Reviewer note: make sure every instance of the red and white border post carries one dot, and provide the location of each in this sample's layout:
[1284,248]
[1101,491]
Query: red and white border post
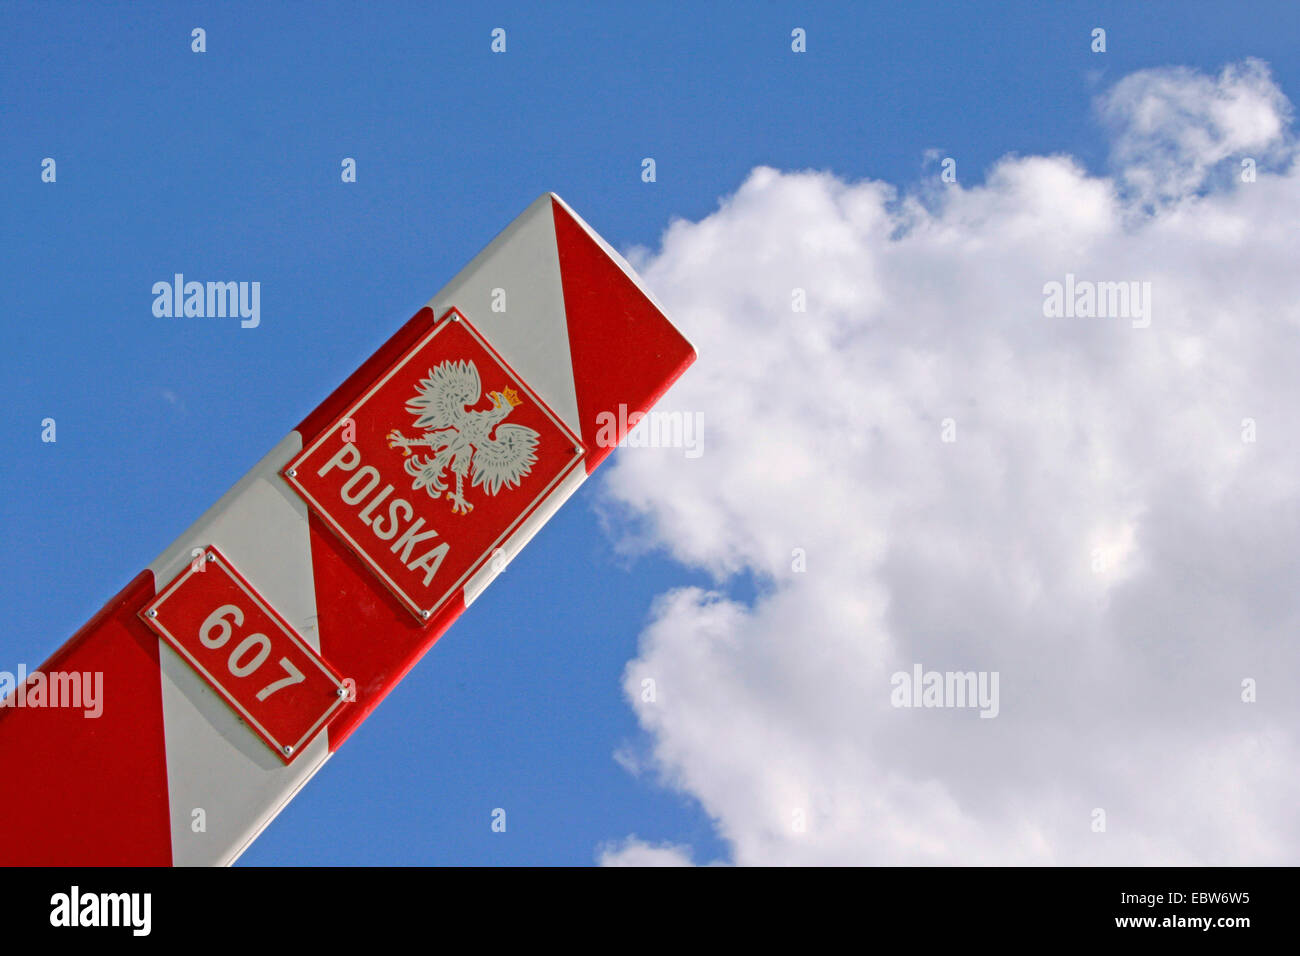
[248,651]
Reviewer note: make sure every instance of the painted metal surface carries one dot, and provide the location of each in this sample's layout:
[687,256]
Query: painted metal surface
[579,336]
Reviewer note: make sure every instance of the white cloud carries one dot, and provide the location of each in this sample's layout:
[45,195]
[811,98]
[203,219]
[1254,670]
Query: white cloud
[1173,126]
[634,852]
[1098,533]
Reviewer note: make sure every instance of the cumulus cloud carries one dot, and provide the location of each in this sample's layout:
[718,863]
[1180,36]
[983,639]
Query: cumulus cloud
[635,852]
[923,468]
[1172,127]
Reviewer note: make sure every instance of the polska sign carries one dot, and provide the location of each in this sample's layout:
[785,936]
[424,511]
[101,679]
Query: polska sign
[435,465]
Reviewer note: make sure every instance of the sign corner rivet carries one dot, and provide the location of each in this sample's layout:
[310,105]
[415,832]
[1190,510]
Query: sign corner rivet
[287,750]
[292,472]
[152,612]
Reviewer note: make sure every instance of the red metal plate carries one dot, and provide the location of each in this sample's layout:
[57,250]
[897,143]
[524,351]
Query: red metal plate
[445,455]
[247,653]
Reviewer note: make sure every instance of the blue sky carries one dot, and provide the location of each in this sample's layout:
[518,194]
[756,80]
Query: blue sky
[226,164]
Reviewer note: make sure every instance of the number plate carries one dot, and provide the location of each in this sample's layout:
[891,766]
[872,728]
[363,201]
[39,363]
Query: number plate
[272,678]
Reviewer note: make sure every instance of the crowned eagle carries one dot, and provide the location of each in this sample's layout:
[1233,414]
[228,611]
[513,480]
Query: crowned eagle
[468,444]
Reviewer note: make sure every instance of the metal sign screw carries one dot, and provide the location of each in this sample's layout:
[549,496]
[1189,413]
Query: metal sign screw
[287,750]
[292,472]
[152,612]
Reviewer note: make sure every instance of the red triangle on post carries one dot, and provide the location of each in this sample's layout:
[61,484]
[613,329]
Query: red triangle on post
[624,350]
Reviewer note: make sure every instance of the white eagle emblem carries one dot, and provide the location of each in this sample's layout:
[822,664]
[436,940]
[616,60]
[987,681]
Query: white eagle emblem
[463,441]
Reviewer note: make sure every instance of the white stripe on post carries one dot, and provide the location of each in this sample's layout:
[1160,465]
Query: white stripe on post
[533,333]
[214,762]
